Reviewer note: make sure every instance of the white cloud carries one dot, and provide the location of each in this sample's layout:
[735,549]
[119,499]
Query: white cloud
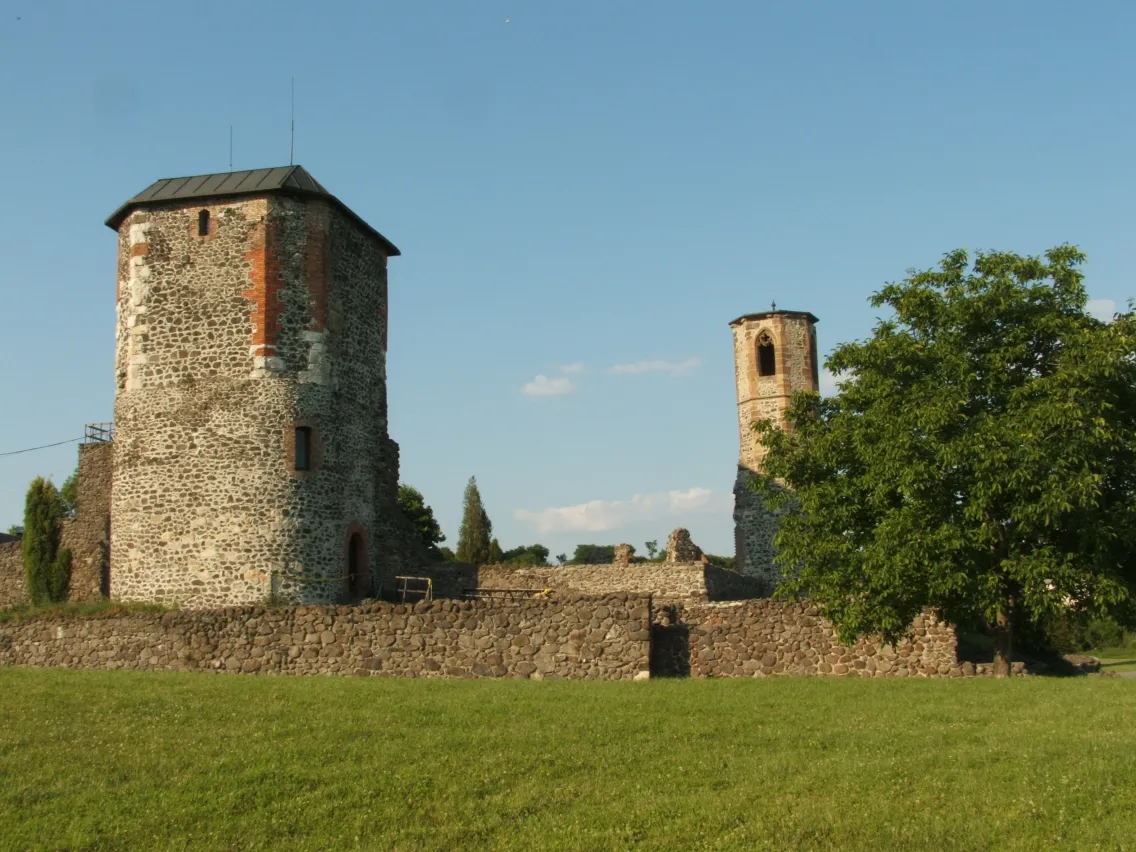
[674,368]
[576,367]
[544,386]
[599,515]
[1102,309]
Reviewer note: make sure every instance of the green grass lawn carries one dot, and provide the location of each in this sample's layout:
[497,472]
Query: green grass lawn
[1116,659]
[126,760]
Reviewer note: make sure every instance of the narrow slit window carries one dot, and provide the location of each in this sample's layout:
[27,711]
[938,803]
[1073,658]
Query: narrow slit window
[766,357]
[813,359]
[303,448]
[203,223]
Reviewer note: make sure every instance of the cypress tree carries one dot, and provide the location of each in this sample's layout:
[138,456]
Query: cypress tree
[60,579]
[47,569]
[495,554]
[476,528]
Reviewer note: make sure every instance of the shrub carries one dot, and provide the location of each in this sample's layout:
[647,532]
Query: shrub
[1071,632]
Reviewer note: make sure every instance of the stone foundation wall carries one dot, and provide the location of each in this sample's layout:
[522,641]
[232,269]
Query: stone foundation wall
[569,637]
[765,637]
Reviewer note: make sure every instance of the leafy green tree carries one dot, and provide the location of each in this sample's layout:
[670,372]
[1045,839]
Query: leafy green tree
[561,558]
[593,554]
[533,554]
[47,568]
[726,562]
[979,460]
[652,548]
[69,494]
[16,529]
[446,554]
[476,531]
[421,517]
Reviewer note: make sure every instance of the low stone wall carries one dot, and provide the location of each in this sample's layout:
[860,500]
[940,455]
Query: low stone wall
[767,637]
[12,589]
[569,637]
[663,581]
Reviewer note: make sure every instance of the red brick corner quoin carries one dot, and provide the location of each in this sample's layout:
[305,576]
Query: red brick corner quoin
[263,290]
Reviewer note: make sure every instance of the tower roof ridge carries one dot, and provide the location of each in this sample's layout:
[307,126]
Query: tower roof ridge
[777,313]
[292,180]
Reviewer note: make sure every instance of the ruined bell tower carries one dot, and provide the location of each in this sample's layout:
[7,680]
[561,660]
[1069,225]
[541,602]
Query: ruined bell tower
[775,355]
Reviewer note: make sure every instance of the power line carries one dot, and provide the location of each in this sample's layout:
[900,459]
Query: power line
[44,447]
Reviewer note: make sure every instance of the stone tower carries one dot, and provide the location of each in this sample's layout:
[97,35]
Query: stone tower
[775,354]
[251,458]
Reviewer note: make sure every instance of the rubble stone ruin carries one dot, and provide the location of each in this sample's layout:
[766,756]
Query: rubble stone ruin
[681,549]
[622,555]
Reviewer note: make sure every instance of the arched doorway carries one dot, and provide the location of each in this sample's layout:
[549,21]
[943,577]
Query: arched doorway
[356,558]
[358,573]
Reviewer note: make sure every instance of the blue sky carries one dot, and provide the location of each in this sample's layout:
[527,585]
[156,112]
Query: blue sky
[575,187]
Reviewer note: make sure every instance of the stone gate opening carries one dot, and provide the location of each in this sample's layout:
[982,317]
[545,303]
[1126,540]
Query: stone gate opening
[358,574]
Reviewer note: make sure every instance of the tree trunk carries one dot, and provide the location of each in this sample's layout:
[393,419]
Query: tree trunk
[1003,636]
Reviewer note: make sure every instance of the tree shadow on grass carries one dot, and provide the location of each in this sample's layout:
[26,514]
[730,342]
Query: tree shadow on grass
[977,647]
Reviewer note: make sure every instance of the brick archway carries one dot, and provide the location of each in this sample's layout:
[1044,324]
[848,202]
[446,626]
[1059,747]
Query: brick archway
[357,564]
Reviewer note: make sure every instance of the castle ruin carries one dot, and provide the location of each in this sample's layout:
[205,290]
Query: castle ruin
[250,459]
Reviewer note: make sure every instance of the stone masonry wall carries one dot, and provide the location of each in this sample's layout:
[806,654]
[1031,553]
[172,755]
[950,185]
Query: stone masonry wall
[664,581]
[723,585]
[613,637]
[766,637]
[670,582]
[755,524]
[226,343]
[12,589]
[87,534]
[571,637]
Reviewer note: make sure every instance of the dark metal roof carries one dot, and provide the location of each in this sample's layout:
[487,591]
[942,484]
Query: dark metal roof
[285,180]
[766,314]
